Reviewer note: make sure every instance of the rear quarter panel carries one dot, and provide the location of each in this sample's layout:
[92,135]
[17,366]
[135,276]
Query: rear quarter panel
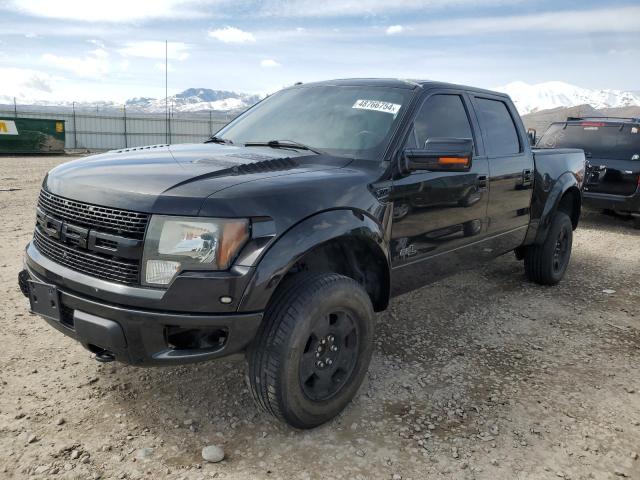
[556,171]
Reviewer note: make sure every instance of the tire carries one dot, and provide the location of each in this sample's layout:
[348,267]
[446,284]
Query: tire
[292,373]
[546,264]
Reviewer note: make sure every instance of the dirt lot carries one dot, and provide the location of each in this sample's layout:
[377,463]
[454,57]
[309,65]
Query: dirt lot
[482,376]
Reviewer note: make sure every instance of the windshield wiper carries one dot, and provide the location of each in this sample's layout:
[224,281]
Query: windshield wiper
[214,139]
[283,144]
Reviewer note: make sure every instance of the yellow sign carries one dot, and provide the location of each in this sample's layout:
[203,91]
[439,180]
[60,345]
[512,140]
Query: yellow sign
[59,127]
[8,127]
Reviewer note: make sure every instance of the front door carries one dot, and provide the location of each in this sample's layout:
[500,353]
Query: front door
[437,214]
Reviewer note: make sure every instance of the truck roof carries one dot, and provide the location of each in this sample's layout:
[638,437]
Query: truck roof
[408,84]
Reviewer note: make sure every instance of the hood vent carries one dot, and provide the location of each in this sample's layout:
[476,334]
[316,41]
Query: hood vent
[133,149]
[274,165]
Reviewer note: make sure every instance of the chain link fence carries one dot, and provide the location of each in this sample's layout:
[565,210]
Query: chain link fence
[112,129]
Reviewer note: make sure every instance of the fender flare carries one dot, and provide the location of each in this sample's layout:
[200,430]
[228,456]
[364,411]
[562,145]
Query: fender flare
[299,240]
[562,185]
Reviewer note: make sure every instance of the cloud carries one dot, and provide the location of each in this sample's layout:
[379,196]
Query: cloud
[127,11]
[232,35]
[335,8]
[38,82]
[97,43]
[94,65]
[111,11]
[269,63]
[99,52]
[156,50]
[25,83]
[162,67]
[394,29]
[622,19]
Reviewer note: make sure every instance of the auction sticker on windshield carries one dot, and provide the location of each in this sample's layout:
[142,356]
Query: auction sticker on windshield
[377,106]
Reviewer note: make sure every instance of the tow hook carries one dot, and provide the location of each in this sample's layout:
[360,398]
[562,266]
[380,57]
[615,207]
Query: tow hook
[105,356]
[23,282]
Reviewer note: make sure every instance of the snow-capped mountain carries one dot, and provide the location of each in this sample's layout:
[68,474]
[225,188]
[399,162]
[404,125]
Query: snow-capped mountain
[528,99]
[195,100]
[190,100]
[542,96]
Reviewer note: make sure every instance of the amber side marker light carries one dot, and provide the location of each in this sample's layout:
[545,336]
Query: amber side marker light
[234,236]
[454,161]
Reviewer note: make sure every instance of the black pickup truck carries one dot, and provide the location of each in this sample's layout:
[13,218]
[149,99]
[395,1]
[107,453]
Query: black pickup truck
[282,234]
[612,148]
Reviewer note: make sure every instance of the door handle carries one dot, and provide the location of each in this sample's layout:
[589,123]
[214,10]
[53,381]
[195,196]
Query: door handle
[482,182]
[527,177]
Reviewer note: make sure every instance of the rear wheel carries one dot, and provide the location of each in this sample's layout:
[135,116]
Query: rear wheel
[313,349]
[546,264]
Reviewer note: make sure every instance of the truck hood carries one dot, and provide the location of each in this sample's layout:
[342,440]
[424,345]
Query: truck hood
[175,179]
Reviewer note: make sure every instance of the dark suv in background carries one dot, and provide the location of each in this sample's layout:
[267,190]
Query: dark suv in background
[612,148]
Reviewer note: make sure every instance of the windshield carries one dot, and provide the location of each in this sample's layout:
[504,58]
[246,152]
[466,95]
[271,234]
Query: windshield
[355,122]
[597,139]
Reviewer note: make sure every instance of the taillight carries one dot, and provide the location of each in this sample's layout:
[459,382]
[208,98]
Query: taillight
[592,124]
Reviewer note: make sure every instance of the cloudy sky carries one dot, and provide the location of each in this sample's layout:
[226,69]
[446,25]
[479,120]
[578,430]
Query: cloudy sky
[114,50]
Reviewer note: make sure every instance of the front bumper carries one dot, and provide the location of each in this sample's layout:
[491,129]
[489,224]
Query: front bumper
[140,336]
[604,201]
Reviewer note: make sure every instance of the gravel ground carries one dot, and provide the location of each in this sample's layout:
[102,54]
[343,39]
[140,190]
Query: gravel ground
[481,376]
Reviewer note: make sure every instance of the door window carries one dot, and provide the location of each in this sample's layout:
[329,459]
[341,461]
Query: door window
[441,116]
[501,136]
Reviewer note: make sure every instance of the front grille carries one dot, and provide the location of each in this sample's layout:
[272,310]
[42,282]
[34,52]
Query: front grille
[122,223]
[109,220]
[94,264]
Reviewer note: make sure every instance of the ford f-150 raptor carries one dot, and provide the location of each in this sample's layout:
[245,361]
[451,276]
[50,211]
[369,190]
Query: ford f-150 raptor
[285,232]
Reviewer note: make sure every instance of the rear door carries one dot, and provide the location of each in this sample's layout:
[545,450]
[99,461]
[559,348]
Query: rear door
[511,169]
[612,150]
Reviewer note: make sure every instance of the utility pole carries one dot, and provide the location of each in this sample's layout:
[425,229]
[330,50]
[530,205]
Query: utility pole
[124,108]
[166,90]
[15,108]
[75,130]
[169,120]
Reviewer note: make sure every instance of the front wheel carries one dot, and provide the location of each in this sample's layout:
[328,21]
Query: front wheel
[313,349]
[546,264]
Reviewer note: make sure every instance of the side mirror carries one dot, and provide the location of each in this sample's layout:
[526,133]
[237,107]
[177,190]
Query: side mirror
[533,136]
[440,155]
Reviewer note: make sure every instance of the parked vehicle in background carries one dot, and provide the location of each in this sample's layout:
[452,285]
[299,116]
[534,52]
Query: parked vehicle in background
[612,149]
[285,232]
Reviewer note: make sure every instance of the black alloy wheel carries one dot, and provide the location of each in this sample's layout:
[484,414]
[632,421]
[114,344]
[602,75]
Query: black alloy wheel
[329,356]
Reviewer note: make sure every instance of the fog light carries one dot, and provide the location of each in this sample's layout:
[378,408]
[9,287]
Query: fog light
[196,338]
[161,272]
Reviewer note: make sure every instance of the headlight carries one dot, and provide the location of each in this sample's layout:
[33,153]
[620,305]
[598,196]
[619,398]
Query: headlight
[174,244]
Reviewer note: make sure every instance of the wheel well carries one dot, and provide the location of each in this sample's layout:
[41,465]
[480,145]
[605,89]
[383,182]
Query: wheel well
[570,203]
[352,257]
